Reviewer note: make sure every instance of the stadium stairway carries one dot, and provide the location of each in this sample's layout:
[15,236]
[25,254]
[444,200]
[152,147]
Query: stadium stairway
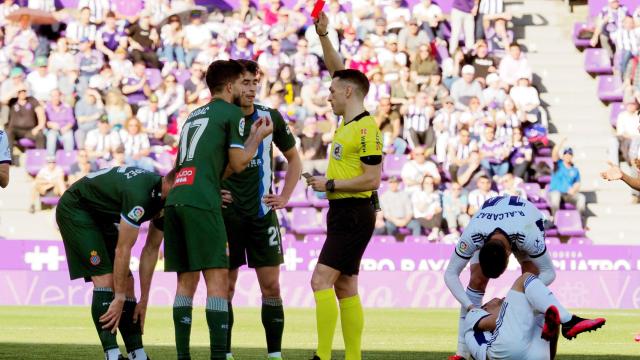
[575,112]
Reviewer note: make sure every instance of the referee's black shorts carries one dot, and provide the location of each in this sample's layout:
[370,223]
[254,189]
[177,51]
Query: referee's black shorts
[350,224]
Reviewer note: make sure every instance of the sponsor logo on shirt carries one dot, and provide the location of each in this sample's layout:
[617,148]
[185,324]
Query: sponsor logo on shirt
[241,127]
[136,213]
[185,176]
[94,259]
[337,151]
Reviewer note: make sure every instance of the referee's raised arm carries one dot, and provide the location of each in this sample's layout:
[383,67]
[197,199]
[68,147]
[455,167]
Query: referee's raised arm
[353,175]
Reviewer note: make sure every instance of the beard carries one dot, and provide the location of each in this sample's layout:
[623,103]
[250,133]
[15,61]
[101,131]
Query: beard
[237,100]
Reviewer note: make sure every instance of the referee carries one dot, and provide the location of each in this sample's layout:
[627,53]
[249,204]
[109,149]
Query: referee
[353,173]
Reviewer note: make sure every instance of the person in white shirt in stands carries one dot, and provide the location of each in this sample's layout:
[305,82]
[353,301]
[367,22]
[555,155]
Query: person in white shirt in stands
[5,159]
[430,16]
[455,204]
[627,134]
[48,181]
[397,15]
[154,121]
[526,99]
[81,29]
[42,82]
[196,37]
[478,196]
[136,145]
[98,9]
[397,210]
[513,66]
[627,43]
[466,88]
[427,209]
[101,142]
[414,170]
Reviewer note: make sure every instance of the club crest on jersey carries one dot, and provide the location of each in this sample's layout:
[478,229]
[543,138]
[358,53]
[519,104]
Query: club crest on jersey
[136,213]
[337,151]
[94,259]
[241,127]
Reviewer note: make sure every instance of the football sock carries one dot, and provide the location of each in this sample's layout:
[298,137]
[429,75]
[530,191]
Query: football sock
[112,354]
[100,302]
[476,299]
[273,322]
[352,320]
[138,354]
[182,315]
[130,331]
[218,321]
[229,329]
[540,297]
[326,319]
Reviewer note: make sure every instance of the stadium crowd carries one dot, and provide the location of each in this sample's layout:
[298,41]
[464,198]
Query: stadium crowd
[461,120]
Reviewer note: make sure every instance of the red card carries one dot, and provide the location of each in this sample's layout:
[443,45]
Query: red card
[317,8]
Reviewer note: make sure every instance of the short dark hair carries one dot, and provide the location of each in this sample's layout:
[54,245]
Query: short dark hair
[250,66]
[222,72]
[355,77]
[110,14]
[493,259]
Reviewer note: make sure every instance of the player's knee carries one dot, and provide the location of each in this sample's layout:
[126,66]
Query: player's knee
[188,283]
[270,288]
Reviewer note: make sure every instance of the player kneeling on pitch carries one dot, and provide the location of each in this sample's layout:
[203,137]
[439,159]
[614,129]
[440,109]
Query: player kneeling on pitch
[504,225]
[99,218]
[524,325]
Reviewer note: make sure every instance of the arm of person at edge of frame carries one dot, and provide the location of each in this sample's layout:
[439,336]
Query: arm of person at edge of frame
[452,278]
[148,260]
[331,57]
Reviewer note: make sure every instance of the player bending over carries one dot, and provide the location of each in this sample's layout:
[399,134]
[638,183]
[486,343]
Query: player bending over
[504,225]
[251,221]
[524,325]
[99,217]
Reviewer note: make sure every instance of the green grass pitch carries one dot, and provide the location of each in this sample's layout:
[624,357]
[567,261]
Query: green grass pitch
[406,334]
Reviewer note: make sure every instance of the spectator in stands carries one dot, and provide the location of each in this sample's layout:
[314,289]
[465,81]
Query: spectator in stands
[462,15]
[215,51]
[101,142]
[272,59]
[41,81]
[349,45]
[378,88]
[99,9]
[171,95]
[117,109]
[510,185]
[627,133]
[314,98]
[526,99]
[144,41]
[483,63]
[305,64]
[430,17]
[26,120]
[494,95]
[379,35]
[460,150]
[314,40]
[136,86]
[478,196]
[417,113]
[287,79]
[514,66]
[411,38]
[242,48]
[521,154]
[403,88]
[172,36]
[427,209]
[565,181]
[81,168]
[391,59]
[9,90]
[494,153]
[154,122]
[194,85]
[109,37]
[48,182]
[87,111]
[492,11]
[435,89]
[6,8]
[397,16]
[455,206]
[104,80]
[609,20]
[136,145]
[61,59]
[285,29]
[465,88]
[423,65]
[60,123]
[389,122]
[627,42]
[89,63]
[121,66]
[21,42]
[313,149]
[398,210]
[414,171]
[365,61]
[338,18]
[81,29]
[119,158]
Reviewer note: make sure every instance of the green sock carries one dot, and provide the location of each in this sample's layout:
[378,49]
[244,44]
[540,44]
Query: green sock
[102,298]
[130,331]
[230,328]
[218,321]
[326,319]
[273,322]
[182,315]
[352,320]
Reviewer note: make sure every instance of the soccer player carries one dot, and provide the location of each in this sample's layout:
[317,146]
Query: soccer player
[5,159]
[524,325]
[195,236]
[99,217]
[251,221]
[353,175]
[504,225]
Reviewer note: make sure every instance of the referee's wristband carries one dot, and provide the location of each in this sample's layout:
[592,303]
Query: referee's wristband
[330,185]
[323,35]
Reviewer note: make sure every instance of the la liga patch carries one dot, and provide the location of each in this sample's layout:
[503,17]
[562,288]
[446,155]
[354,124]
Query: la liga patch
[462,246]
[241,127]
[136,213]
[94,259]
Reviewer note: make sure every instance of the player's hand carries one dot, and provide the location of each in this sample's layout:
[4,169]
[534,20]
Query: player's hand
[226,198]
[266,129]
[140,314]
[613,173]
[111,318]
[275,202]
[321,23]
[317,183]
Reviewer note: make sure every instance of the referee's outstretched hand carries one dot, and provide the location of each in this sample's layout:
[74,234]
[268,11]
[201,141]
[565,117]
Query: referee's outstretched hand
[317,183]
[321,23]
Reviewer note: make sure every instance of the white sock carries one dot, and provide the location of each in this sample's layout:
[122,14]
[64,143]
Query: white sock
[229,355]
[476,299]
[138,354]
[540,297]
[112,354]
[275,354]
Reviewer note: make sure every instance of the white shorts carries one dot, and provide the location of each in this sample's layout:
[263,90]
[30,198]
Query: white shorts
[518,331]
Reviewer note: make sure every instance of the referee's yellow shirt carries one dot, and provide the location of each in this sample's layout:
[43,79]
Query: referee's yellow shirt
[359,138]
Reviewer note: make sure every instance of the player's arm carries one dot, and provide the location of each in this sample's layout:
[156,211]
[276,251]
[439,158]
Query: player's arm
[546,271]
[240,155]
[487,323]
[294,169]
[332,59]
[555,153]
[457,263]
[148,260]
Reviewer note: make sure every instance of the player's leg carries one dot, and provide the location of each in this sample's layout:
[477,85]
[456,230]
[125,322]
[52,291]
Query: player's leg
[217,310]
[515,326]
[130,329]
[322,281]
[351,315]
[233,278]
[475,291]
[272,310]
[102,297]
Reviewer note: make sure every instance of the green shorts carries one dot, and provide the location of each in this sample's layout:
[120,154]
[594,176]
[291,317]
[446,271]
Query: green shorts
[89,245]
[253,241]
[194,239]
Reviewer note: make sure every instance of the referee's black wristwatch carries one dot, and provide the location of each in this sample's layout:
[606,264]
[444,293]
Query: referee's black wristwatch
[330,185]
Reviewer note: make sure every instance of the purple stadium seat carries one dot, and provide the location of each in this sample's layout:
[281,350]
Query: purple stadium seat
[392,165]
[155,78]
[609,88]
[416,239]
[552,240]
[26,143]
[533,191]
[299,196]
[35,160]
[128,7]
[577,27]
[65,159]
[181,75]
[580,240]
[288,240]
[383,239]
[283,219]
[50,200]
[597,61]
[315,200]
[616,109]
[315,238]
[545,179]
[569,223]
[305,221]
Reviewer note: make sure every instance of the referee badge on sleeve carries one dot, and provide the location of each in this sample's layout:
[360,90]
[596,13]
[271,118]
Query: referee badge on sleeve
[337,151]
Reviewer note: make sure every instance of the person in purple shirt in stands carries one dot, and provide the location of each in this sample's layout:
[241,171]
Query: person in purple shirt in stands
[136,86]
[109,37]
[494,154]
[89,62]
[462,16]
[242,48]
[60,123]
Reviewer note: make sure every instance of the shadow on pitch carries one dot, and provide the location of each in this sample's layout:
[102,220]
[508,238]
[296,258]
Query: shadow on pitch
[29,351]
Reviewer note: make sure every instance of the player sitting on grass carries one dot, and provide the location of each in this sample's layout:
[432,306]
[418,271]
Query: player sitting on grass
[99,218]
[524,325]
[504,225]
